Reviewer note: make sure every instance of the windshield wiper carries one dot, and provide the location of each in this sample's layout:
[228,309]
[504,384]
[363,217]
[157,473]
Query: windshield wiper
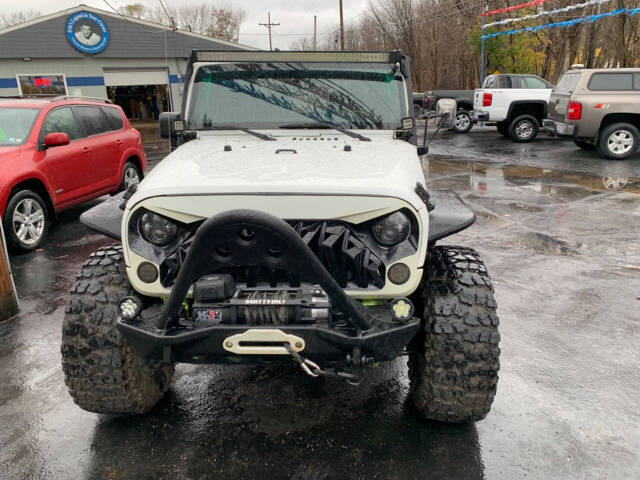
[326,125]
[242,129]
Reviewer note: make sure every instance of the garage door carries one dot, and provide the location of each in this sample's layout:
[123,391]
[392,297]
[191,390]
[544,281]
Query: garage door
[123,78]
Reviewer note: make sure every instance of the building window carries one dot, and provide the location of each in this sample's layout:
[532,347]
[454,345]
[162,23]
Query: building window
[42,84]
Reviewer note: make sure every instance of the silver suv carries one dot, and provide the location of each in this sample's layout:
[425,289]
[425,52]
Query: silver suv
[599,108]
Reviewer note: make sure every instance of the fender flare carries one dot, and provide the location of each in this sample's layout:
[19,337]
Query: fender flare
[545,107]
[449,215]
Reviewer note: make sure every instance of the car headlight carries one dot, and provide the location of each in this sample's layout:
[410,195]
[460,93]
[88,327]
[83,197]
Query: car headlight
[156,229]
[392,229]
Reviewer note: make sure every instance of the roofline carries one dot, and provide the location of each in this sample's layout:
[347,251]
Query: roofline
[607,70]
[98,11]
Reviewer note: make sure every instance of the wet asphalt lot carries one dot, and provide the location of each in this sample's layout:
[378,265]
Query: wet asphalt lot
[558,229]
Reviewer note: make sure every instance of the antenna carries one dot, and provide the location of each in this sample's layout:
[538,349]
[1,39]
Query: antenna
[269,25]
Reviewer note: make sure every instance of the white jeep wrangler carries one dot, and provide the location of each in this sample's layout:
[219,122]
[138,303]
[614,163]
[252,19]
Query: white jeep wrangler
[290,223]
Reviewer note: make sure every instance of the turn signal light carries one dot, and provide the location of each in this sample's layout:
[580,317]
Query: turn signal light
[574,111]
[487,98]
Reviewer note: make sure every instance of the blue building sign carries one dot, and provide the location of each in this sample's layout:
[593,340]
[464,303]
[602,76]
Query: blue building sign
[87,32]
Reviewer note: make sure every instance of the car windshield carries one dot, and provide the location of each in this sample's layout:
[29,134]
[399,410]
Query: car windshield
[269,95]
[15,125]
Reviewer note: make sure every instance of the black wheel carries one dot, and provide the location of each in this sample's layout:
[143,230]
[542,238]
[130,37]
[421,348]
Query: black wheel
[619,141]
[503,129]
[103,373]
[454,361]
[130,176]
[462,122]
[524,128]
[26,221]
[584,145]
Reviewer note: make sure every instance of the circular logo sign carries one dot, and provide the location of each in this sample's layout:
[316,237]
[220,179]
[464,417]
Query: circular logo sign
[87,32]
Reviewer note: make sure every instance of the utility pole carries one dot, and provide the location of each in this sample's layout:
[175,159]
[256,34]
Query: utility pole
[269,25]
[8,298]
[315,31]
[486,9]
[341,28]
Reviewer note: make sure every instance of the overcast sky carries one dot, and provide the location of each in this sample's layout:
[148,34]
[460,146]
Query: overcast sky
[295,16]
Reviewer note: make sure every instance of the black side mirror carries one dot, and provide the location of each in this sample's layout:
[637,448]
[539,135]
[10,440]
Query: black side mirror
[170,124]
[423,150]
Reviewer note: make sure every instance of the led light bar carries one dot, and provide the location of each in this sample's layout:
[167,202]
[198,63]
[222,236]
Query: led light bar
[295,56]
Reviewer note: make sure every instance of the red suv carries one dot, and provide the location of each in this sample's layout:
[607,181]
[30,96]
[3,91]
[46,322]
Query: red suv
[56,153]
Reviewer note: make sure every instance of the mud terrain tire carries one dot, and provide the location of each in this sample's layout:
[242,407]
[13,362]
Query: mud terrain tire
[103,373]
[453,368]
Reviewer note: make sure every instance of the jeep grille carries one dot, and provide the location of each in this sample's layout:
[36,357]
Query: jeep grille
[344,255]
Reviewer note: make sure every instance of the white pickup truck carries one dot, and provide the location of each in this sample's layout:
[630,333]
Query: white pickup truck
[516,103]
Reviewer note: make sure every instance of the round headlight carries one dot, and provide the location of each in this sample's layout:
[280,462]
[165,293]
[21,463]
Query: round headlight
[156,229]
[392,229]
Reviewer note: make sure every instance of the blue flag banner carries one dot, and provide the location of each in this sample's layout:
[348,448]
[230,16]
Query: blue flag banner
[546,13]
[567,23]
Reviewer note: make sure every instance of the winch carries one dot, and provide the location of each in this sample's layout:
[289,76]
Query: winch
[217,299]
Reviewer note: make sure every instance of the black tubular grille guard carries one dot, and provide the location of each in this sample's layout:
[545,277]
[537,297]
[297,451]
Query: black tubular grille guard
[271,243]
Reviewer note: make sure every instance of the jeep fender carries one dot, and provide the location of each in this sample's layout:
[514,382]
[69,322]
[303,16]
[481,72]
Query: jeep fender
[449,215]
[106,217]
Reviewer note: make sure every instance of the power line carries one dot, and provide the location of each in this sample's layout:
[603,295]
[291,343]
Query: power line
[164,8]
[126,19]
[171,19]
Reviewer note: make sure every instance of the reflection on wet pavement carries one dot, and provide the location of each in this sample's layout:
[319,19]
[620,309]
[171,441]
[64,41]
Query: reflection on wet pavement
[566,207]
[559,234]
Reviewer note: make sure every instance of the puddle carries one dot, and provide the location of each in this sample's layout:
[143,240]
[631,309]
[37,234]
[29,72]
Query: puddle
[494,179]
[547,244]
[525,207]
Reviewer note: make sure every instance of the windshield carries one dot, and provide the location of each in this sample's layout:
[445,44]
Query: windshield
[268,95]
[15,125]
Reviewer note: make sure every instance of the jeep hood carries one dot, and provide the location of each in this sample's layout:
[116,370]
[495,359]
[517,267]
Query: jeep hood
[300,162]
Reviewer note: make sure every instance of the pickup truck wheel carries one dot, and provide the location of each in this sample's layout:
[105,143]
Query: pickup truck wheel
[524,128]
[584,145]
[103,373]
[619,141]
[26,221]
[453,366]
[503,129]
[462,122]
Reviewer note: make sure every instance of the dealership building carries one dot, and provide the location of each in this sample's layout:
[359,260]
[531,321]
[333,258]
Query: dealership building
[84,51]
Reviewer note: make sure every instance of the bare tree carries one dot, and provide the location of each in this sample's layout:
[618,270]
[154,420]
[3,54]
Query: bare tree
[218,22]
[135,10]
[10,19]
[442,37]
